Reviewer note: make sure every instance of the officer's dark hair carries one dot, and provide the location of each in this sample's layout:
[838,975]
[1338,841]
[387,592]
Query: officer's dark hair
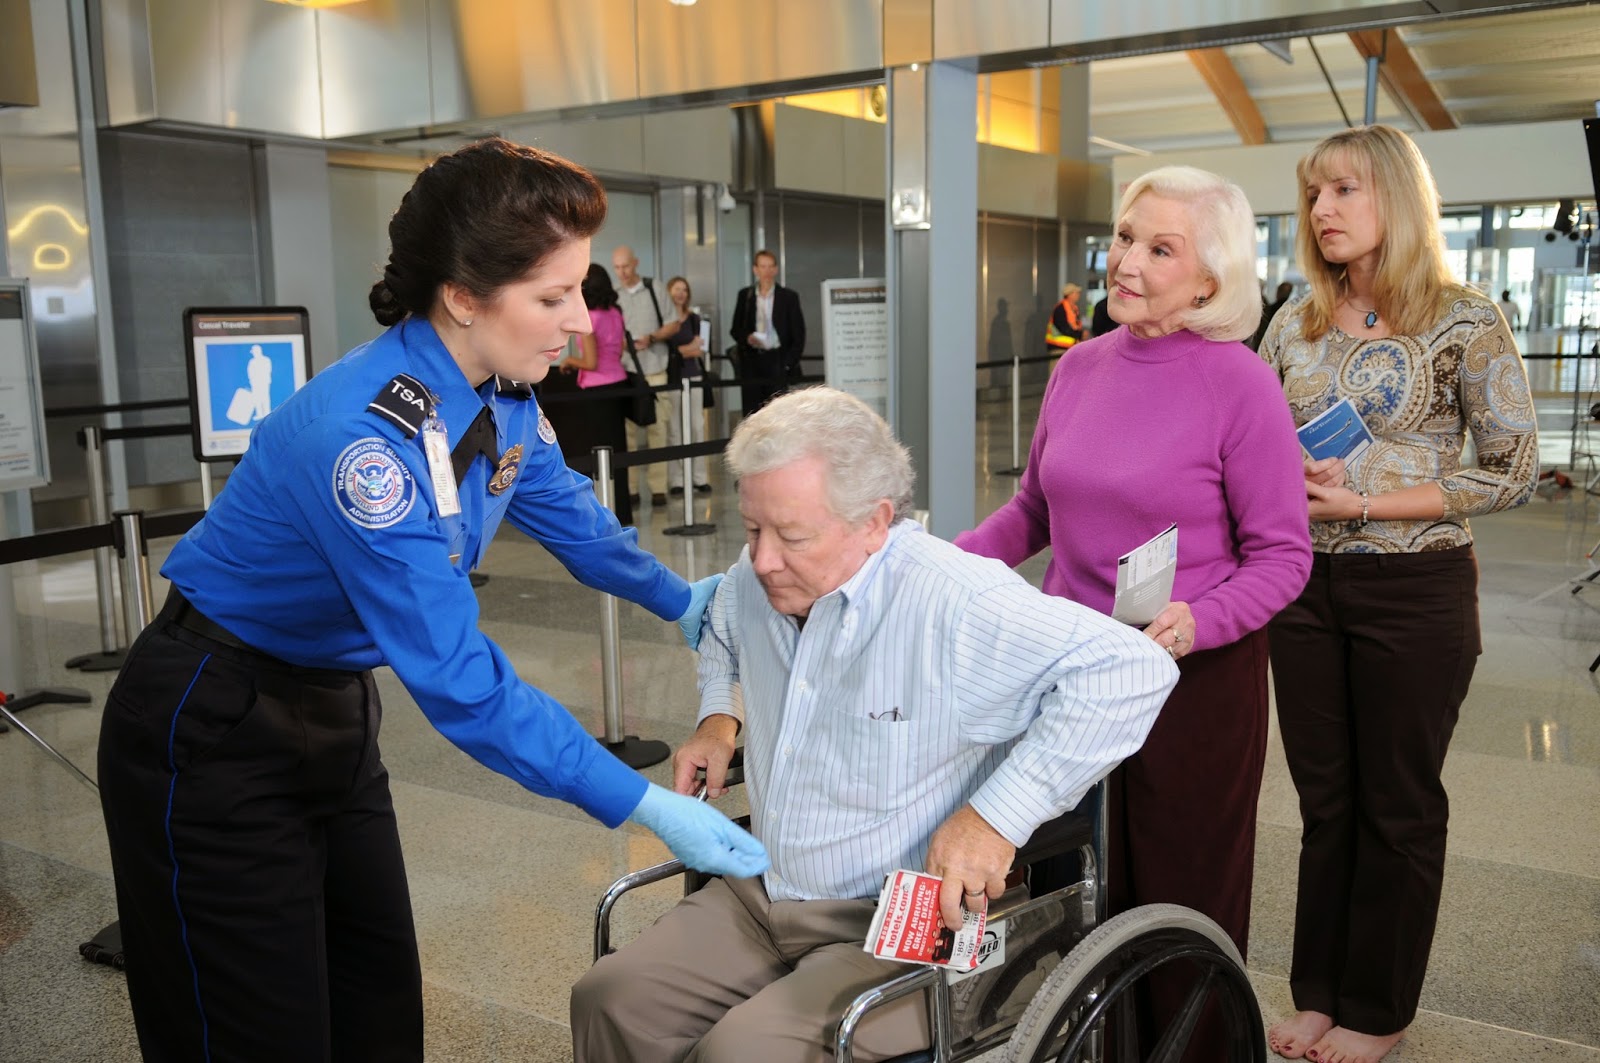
[598,291]
[483,217]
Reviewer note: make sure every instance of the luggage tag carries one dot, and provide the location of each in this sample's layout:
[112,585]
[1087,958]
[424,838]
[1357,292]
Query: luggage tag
[436,445]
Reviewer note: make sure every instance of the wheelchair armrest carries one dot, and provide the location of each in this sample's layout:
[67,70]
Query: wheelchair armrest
[916,981]
[644,877]
[1064,834]
[735,775]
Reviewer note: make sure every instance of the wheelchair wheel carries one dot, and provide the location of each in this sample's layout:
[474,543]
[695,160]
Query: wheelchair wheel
[1093,991]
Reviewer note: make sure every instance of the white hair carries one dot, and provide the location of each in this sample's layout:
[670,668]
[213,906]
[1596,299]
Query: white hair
[1225,242]
[865,463]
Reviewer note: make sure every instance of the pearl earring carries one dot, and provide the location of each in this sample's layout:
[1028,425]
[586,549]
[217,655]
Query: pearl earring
[467,323]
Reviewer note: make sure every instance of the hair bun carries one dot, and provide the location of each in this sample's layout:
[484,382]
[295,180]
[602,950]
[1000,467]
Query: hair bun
[385,304]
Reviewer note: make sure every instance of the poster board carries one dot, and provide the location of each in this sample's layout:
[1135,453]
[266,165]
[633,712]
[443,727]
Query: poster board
[24,457]
[244,362]
[855,339]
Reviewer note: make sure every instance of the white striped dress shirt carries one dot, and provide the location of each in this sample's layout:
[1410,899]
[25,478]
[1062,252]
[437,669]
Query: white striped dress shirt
[930,679]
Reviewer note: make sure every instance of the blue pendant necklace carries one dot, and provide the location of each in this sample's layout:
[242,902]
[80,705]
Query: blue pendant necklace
[1372,315]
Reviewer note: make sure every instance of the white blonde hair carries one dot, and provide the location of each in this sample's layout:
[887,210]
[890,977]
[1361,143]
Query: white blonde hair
[1225,243]
[865,463]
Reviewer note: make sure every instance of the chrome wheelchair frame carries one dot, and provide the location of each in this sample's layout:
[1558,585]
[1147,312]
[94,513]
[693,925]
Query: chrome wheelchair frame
[1086,990]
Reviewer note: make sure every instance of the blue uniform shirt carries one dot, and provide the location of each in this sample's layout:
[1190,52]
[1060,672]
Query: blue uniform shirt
[326,550]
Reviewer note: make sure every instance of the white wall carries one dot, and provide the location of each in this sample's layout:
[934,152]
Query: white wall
[1481,164]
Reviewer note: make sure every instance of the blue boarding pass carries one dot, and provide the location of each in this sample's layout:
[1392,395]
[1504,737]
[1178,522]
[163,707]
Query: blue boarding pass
[1337,432]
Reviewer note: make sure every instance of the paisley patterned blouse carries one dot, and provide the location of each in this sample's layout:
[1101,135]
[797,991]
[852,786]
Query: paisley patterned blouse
[1420,396]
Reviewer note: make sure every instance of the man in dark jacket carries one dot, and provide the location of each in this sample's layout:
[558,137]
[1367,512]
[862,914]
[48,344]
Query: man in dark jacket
[770,333]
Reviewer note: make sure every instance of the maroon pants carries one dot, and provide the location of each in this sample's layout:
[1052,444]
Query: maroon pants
[1183,809]
[1371,665]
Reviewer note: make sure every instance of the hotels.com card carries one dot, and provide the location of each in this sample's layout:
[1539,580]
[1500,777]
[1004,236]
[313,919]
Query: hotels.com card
[907,927]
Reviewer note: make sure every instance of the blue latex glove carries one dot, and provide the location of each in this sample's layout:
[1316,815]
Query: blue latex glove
[699,835]
[700,594]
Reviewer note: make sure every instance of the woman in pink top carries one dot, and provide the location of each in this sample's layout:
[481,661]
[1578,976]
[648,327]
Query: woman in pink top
[1170,419]
[592,421]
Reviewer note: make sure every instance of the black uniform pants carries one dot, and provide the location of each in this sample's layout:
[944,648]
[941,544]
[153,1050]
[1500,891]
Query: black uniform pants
[260,886]
[1371,664]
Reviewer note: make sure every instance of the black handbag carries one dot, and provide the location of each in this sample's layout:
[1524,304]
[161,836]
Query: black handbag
[709,382]
[641,405]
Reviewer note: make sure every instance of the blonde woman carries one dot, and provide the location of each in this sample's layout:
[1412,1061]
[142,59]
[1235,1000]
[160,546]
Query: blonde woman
[1172,419]
[685,360]
[1371,663]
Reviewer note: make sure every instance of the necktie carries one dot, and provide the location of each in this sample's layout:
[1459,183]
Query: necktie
[479,438]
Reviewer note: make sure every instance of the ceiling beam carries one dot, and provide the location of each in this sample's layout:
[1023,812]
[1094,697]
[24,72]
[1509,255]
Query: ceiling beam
[1229,88]
[1402,77]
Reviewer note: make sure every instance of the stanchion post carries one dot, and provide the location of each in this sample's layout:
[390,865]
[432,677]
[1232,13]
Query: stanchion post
[685,436]
[207,491]
[109,659]
[1016,419]
[610,622]
[135,569]
[1016,411]
[631,750]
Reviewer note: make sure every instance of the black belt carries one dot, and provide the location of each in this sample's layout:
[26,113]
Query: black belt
[178,610]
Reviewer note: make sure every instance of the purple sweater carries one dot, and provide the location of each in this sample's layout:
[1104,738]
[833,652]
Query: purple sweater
[1136,434]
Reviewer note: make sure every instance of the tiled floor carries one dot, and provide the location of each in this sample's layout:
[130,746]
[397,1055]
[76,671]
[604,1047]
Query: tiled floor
[504,883]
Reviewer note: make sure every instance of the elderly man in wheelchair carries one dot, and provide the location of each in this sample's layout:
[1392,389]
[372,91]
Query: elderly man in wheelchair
[903,705]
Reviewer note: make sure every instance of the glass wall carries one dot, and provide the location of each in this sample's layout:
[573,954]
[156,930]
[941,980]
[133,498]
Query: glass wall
[1019,284]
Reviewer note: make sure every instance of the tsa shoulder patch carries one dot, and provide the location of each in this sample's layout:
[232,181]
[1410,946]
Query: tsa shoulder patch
[372,486]
[547,431]
[404,402]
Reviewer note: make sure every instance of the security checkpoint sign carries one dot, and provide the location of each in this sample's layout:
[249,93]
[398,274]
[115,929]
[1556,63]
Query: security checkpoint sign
[244,362]
[24,459]
[855,339]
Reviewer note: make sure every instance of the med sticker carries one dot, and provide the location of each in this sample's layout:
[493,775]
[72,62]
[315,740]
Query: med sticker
[372,486]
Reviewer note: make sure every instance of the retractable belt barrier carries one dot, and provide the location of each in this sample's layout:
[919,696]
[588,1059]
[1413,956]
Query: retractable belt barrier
[1016,363]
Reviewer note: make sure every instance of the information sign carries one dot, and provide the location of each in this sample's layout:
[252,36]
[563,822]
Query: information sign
[855,339]
[244,362]
[24,458]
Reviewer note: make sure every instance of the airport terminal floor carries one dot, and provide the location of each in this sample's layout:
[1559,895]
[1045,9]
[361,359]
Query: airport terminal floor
[504,883]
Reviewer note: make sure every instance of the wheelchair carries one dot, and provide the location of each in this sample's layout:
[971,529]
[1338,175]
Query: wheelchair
[1058,981]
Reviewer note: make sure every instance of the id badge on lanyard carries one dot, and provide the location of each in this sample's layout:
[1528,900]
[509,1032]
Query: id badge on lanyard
[447,502]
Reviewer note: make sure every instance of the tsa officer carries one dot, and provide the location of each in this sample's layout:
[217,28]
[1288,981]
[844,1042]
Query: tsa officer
[259,877]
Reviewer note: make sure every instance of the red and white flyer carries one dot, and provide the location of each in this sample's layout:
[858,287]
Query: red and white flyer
[907,926]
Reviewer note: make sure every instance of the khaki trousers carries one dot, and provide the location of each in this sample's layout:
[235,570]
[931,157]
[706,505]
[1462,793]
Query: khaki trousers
[729,975]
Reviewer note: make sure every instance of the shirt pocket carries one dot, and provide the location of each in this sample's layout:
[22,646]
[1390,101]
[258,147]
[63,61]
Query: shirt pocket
[873,763]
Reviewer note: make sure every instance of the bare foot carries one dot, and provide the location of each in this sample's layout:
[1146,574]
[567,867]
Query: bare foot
[1346,1046]
[1291,1037]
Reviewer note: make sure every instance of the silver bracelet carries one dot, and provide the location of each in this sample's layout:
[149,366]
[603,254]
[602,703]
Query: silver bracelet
[1366,503]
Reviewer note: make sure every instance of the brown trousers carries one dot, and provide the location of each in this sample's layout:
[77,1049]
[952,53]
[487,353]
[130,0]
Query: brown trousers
[729,976]
[1371,665]
[1183,813]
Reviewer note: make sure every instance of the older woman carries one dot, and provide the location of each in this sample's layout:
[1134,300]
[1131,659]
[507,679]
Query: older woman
[1372,662]
[1173,420]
